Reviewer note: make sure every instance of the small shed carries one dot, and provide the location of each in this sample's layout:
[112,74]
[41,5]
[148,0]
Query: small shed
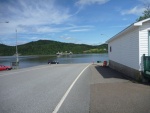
[126,49]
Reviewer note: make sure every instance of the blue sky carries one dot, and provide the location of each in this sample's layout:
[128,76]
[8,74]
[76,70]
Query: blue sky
[73,21]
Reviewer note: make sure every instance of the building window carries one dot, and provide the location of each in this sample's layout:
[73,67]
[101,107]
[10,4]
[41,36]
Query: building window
[110,49]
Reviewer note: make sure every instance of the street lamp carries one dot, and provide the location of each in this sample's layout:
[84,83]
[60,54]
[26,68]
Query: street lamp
[17,59]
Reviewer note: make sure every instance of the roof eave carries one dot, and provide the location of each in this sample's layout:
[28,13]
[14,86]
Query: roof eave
[140,23]
[137,24]
[120,33]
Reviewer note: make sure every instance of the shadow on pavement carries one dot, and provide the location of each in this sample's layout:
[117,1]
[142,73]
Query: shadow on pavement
[107,72]
[118,97]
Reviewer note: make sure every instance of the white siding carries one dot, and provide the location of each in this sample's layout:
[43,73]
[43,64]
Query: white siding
[125,49]
[143,34]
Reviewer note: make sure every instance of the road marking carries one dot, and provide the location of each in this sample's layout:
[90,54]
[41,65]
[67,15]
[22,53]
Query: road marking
[67,92]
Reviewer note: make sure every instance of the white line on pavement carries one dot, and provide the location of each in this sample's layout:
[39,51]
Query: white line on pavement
[67,92]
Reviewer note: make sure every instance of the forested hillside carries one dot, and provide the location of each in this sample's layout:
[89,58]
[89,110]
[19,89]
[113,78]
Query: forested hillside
[48,47]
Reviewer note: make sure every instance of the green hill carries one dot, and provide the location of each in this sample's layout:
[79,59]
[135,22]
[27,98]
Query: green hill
[48,47]
[6,50]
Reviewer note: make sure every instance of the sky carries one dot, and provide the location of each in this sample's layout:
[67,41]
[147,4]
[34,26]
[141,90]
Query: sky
[72,21]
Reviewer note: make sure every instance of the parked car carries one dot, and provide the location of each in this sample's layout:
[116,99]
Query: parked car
[2,67]
[53,62]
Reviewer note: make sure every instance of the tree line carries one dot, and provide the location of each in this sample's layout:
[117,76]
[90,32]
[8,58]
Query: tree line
[49,47]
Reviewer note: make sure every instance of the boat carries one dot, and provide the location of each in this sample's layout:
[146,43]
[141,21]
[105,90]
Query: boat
[64,53]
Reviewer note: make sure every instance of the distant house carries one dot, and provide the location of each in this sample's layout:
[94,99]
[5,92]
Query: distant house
[126,49]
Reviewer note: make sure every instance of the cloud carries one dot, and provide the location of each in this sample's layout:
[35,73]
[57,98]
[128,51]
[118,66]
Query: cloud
[71,28]
[137,10]
[90,2]
[79,30]
[119,26]
[68,38]
[145,1]
[46,29]
[27,13]
[32,19]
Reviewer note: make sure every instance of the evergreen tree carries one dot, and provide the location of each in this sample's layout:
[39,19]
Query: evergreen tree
[146,14]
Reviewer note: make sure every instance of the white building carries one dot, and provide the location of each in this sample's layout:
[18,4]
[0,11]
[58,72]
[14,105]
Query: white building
[127,48]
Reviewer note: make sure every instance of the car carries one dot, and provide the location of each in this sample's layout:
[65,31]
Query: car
[53,62]
[2,67]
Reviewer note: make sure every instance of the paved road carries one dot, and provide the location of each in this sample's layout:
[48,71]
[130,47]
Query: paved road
[97,90]
[38,89]
[113,93]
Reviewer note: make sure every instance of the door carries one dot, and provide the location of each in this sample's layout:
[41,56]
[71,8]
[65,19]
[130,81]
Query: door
[149,43]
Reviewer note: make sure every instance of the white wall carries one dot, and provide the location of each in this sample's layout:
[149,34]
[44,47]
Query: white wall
[143,41]
[125,49]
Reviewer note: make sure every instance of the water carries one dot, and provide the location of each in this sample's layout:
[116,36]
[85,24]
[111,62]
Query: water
[29,61]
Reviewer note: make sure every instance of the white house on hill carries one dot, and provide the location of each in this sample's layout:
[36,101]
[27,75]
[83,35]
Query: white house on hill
[126,49]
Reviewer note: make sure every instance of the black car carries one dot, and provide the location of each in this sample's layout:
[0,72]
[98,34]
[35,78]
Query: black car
[53,62]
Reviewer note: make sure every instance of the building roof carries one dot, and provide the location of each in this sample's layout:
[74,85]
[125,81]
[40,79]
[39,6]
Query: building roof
[132,26]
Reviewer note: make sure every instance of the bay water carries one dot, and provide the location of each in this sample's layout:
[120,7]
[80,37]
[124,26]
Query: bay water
[29,61]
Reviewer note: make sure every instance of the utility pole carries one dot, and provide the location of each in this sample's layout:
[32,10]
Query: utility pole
[17,59]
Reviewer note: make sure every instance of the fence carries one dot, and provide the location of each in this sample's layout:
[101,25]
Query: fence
[146,62]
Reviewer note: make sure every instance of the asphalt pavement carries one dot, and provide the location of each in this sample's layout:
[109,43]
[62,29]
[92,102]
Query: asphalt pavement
[114,92]
[92,89]
[37,89]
